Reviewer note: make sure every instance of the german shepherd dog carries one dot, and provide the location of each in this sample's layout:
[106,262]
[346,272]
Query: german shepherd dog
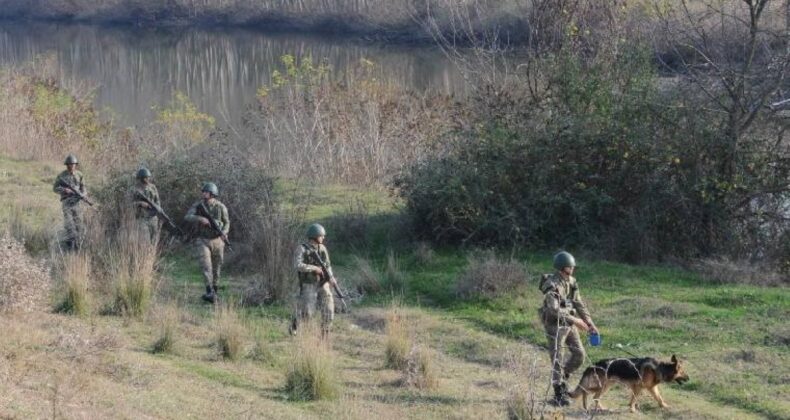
[637,373]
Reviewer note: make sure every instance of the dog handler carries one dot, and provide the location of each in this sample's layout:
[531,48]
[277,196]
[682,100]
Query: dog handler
[563,314]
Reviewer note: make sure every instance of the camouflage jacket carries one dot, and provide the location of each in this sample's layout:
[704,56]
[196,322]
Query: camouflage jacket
[561,300]
[150,192]
[76,179]
[217,211]
[306,262]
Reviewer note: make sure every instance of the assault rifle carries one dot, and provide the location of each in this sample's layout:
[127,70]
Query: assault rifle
[75,190]
[325,277]
[159,212]
[204,212]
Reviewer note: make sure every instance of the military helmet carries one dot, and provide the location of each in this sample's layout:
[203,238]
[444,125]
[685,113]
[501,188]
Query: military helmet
[143,173]
[564,259]
[315,230]
[71,160]
[211,188]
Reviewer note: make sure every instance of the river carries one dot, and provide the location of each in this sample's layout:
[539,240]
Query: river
[134,69]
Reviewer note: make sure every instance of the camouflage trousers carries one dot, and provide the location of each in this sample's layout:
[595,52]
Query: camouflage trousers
[210,254]
[559,338]
[72,223]
[149,227]
[313,297]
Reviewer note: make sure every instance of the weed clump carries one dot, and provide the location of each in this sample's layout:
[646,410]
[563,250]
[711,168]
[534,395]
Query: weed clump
[424,254]
[367,279]
[230,332]
[132,267]
[167,323]
[397,342]
[312,374]
[488,276]
[394,279]
[420,370]
[75,275]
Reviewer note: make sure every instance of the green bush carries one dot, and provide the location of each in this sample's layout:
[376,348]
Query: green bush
[609,162]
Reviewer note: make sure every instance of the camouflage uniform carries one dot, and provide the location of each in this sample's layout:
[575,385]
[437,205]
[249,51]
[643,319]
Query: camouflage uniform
[146,217]
[209,247]
[313,289]
[561,300]
[70,203]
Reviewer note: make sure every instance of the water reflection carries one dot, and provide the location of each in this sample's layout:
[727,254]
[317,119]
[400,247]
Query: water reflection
[220,70]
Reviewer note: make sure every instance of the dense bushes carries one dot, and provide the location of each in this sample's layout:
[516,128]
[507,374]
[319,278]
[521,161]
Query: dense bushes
[261,233]
[608,161]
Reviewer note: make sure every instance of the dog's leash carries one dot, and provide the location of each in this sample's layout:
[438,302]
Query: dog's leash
[620,346]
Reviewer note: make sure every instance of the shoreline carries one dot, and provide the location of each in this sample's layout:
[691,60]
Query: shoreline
[329,25]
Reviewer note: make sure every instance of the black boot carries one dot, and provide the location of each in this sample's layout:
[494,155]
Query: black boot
[209,296]
[561,395]
[215,293]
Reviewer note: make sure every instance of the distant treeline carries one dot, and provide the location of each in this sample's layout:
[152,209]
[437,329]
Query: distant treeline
[391,20]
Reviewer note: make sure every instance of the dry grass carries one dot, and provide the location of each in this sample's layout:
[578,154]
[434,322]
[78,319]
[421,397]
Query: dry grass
[424,254]
[130,262]
[230,332]
[364,129]
[75,276]
[167,319]
[312,374]
[489,276]
[397,342]
[420,370]
[36,237]
[365,278]
[725,271]
[525,399]
[24,283]
[394,279]
[273,245]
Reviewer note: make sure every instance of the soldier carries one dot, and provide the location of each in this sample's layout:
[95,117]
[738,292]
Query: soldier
[210,243]
[65,184]
[314,285]
[144,213]
[563,314]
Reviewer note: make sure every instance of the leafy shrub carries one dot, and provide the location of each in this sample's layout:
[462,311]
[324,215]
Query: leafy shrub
[599,166]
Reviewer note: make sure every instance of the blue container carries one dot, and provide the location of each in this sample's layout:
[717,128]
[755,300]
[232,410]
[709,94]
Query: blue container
[595,340]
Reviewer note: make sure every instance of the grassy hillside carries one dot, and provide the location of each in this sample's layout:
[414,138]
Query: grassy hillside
[483,351]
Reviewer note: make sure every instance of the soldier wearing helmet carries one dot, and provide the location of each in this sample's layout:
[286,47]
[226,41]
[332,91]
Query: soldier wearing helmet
[70,201]
[563,314]
[209,244]
[315,291]
[143,212]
